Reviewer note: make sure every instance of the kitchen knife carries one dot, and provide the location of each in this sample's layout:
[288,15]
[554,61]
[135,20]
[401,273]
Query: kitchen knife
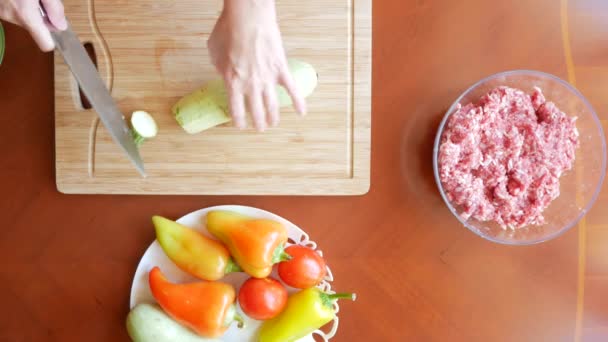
[92,86]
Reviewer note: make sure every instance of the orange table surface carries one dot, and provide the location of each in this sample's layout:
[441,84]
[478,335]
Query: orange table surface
[66,262]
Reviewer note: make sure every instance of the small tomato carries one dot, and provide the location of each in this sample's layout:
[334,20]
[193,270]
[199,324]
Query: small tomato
[305,269]
[262,298]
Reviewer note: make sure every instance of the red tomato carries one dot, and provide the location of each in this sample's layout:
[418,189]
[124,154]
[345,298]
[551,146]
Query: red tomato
[262,298]
[305,269]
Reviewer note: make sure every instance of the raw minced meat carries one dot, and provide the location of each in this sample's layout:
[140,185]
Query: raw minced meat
[500,160]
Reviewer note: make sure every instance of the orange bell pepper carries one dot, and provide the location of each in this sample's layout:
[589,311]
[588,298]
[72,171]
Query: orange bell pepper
[255,244]
[208,308]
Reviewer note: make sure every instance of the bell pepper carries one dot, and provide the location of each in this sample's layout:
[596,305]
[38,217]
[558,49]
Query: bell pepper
[306,311]
[255,244]
[193,252]
[208,308]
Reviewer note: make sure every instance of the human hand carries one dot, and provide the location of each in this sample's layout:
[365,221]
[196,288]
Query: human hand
[246,48]
[26,13]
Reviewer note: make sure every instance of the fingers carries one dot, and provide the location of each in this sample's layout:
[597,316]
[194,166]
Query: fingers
[254,100]
[258,96]
[237,108]
[286,80]
[36,26]
[55,13]
[271,103]
[262,104]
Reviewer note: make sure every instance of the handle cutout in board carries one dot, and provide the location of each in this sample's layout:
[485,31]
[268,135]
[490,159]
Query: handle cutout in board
[84,102]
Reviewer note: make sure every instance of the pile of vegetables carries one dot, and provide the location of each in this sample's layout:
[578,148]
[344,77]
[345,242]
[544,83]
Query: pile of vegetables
[203,310]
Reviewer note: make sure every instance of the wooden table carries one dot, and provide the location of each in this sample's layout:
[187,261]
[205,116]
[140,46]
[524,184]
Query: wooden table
[66,262]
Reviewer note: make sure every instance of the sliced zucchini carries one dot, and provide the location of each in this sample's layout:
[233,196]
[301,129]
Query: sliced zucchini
[143,127]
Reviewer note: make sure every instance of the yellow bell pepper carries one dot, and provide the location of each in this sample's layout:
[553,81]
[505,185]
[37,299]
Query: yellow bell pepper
[193,252]
[306,311]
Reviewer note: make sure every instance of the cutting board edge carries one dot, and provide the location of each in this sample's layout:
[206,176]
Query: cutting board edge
[348,187]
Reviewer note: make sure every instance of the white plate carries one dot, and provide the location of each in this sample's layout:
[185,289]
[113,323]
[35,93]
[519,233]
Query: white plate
[155,256]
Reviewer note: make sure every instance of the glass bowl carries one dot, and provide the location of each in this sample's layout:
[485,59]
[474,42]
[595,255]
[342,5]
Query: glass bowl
[2,42]
[579,187]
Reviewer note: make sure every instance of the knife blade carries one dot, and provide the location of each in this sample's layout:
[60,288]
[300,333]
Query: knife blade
[85,72]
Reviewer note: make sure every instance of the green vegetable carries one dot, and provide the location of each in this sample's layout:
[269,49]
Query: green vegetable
[208,106]
[149,323]
[143,127]
[1,43]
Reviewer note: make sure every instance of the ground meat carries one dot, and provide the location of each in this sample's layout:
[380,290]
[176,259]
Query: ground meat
[500,160]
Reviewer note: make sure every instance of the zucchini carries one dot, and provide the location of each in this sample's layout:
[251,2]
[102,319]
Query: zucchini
[208,106]
[149,323]
[143,127]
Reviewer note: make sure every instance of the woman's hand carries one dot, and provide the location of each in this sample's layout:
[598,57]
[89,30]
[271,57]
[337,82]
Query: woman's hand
[26,13]
[246,48]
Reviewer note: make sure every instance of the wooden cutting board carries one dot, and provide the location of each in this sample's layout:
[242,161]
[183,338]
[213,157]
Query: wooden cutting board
[150,53]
